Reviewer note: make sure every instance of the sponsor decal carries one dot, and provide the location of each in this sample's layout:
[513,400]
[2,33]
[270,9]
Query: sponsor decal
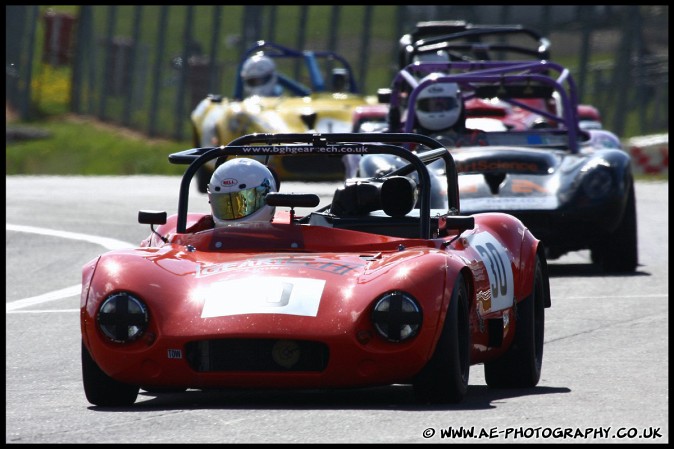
[491,165]
[526,186]
[174,354]
[309,263]
[436,89]
[299,149]
[510,203]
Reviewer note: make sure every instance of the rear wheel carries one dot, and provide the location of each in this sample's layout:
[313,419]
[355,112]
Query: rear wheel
[520,366]
[618,252]
[101,389]
[445,378]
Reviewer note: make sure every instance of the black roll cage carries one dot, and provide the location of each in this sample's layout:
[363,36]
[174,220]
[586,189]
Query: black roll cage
[337,144]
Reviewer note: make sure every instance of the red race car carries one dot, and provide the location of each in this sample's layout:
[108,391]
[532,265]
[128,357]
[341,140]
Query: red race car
[373,288]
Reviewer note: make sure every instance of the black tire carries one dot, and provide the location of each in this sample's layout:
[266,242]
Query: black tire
[164,390]
[445,378]
[618,252]
[520,366]
[101,389]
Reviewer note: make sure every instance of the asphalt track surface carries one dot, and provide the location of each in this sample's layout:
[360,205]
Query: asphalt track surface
[605,375]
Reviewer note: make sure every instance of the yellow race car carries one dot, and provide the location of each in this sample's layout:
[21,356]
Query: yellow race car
[320,97]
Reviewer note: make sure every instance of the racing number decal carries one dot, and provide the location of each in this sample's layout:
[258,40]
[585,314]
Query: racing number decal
[497,263]
[496,269]
[271,294]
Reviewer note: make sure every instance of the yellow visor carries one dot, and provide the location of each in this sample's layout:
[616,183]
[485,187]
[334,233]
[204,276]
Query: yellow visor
[235,205]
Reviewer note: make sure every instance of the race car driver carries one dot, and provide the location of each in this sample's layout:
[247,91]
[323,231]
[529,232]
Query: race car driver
[260,77]
[440,113]
[236,193]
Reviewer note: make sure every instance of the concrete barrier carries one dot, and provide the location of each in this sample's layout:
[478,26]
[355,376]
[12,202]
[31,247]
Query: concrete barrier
[650,154]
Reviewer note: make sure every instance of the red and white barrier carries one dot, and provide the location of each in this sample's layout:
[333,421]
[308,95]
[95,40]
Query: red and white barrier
[650,154]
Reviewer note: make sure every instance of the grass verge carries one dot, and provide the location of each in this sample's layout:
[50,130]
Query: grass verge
[72,145]
[75,145]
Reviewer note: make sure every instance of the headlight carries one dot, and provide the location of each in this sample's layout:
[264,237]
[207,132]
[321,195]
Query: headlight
[397,316]
[598,183]
[122,318]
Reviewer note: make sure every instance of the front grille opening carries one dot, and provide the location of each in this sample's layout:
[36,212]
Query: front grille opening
[269,355]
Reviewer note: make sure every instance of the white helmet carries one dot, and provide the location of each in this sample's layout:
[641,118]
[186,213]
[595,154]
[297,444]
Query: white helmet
[237,192]
[259,75]
[438,105]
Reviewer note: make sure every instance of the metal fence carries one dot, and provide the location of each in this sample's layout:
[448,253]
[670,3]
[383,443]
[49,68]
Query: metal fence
[146,67]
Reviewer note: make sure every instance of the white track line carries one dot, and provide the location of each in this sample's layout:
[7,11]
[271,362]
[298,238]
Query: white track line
[74,290]
[108,243]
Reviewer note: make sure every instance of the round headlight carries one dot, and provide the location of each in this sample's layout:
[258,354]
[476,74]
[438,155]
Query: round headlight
[122,318]
[397,316]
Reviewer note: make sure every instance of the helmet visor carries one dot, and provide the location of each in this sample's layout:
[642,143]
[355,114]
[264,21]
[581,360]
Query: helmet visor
[437,104]
[258,81]
[236,205]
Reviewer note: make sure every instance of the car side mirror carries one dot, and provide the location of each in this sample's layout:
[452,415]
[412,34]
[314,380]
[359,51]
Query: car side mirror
[455,223]
[152,217]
